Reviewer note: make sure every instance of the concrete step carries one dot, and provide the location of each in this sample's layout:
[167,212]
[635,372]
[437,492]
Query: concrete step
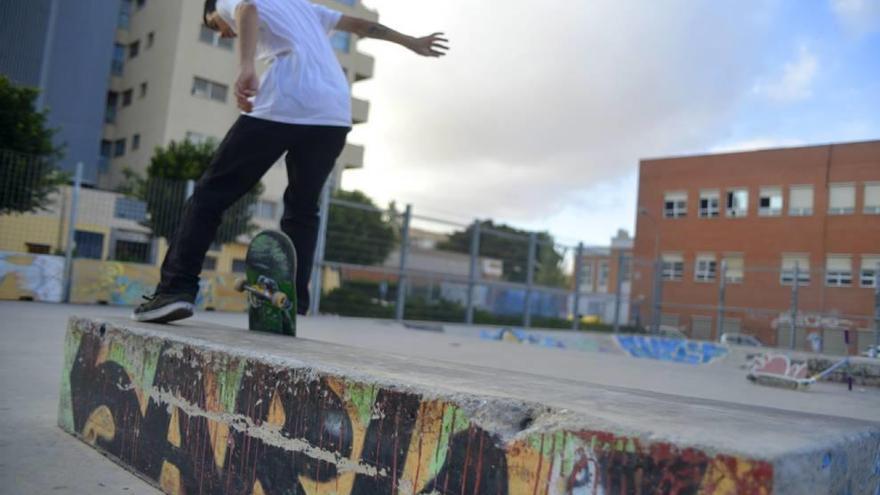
[198,408]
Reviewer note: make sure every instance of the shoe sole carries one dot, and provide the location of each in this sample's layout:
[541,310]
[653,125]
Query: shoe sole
[165,314]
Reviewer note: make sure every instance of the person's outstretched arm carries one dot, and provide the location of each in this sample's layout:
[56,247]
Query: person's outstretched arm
[434,45]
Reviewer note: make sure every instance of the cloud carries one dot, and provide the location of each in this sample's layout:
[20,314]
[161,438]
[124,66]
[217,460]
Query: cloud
[858,16]
[796,80]
[537,104]
[755,144]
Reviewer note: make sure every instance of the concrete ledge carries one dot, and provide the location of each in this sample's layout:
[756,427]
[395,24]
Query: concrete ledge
[210,409]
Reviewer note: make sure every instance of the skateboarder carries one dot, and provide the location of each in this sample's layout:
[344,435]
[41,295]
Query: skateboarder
[302,107]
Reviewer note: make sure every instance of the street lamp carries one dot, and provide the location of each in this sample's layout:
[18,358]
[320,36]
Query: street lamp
[658,273]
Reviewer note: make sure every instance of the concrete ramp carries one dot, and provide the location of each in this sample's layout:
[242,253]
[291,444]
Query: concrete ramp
[199,408]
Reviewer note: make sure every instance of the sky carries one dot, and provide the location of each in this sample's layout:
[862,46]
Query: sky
[541,111]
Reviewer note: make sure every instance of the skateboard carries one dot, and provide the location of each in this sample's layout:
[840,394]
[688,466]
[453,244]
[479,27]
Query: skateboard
[270,283]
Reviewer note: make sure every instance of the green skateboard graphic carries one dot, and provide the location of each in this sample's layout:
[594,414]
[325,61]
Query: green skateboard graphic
[270,283]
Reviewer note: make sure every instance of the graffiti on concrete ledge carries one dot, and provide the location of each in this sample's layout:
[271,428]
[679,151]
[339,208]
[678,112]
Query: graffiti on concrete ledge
[31,276]
[779,364]
[199,421]
[520,337]
[673,350]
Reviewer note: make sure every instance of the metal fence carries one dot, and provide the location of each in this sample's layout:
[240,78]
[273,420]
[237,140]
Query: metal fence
[399,263]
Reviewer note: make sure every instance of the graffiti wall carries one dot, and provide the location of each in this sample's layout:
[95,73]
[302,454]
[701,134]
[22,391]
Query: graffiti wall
[195,420]
[672,350]
[122,284]
[36,277]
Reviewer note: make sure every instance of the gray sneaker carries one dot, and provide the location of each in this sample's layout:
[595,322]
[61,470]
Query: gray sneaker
[164,308]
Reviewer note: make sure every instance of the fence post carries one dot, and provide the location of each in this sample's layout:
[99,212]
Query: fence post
[472,273]
[530,279]
[578,280]
[794,304]
[71,231]
[320,249]
[722,294]
[401,279]
[618,292]
[658,294]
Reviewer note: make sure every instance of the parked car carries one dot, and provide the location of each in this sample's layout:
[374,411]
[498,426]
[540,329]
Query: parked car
[670,332]
[740,339]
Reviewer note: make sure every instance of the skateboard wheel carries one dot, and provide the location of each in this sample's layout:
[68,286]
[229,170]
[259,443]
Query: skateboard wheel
[279,300]
[239,284]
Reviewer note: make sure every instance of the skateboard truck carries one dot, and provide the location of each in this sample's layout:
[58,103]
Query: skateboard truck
[265,290]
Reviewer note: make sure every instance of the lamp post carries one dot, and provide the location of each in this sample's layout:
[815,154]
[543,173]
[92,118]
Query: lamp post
[658,273]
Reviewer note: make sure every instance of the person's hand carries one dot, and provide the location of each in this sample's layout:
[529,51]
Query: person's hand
[430,46]
[246,87]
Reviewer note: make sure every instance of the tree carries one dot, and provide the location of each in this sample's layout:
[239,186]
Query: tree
[164,190]
[355,235]
[28,175]
[512,247]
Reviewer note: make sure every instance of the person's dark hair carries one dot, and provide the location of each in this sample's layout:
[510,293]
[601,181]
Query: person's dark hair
[210,6]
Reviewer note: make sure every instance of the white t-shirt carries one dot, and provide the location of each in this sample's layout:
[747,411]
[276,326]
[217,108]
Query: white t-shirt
[304,83]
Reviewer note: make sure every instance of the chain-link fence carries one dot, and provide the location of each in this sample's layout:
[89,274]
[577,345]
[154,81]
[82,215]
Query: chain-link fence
[60,240]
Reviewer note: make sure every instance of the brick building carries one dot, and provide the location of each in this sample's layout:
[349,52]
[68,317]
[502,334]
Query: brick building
[767,215]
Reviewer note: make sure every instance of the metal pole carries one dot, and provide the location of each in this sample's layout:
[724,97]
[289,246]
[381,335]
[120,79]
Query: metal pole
[658,294]
[401,279]
[530,279]
[578,280]
[71,231]
[190,188]
[320,250]
[877,305]
[473,273]
[722,290]
[794,303]
[618,292]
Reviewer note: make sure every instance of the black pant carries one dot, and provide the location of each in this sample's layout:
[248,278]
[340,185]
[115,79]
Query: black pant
[249,149]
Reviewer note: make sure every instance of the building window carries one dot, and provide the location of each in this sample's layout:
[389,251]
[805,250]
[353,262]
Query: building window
[239,265]
[770,202]
[210,263]
[341,41]
[842,199]
[117,65]
[110,110]
[675,205]
[625,268]
[124,19]
[587,276]
[130,209]
[734,268]
[870,268]
[88,244]
[264,209]
[602,280]
[213,38]
[737,203]
[792,263]
[134,49]
[37,248]
[127,96]
[119,147]
[709,204]
[132,251]
[135,142]
[872,199]
[151,38]
[704,270]
[673,266]
[800,201]
[104,158]
[143,90]
[140,4]
[204,88]
[838,271]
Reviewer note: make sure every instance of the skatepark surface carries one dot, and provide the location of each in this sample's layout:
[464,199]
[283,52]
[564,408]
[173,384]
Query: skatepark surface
[37,457]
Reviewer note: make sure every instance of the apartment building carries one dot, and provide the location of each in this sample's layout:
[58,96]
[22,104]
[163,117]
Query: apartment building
[793,234]
[171,79]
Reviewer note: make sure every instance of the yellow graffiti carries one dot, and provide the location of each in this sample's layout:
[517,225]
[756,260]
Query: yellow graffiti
[219,432]
[174,429]
[100,424]
[169,480]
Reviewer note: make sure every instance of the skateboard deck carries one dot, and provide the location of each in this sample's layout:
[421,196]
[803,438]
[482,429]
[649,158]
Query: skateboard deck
[270,283]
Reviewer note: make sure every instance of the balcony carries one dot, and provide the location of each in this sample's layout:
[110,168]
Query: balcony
[360,110]
[352,156]
[362,65]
